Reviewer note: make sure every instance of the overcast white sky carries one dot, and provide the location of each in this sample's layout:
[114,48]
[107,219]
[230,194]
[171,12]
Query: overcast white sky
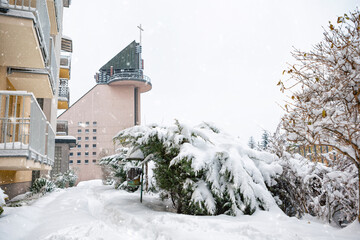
[216,61]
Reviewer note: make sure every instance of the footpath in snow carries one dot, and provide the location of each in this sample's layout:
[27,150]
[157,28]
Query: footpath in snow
[94,211]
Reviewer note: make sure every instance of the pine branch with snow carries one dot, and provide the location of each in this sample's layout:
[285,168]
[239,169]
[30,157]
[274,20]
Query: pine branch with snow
[205,171]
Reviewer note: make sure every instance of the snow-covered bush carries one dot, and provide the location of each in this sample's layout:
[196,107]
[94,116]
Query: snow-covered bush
[62,180]
[306,187]
[3,196]
[117,166]
[204,171]
[315,189]
[42,186]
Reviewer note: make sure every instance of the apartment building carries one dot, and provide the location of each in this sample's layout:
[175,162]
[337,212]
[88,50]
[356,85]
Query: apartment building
[111,105]
[317,153]
[30,46]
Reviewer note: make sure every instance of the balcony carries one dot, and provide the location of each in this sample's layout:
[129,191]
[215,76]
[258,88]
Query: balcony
[27,140]
[30,80]
[65,63]
[26,45]
[135,78]
[26,33]
[55,12]
[64,94]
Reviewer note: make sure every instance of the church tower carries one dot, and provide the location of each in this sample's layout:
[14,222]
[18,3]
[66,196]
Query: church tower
[113,104]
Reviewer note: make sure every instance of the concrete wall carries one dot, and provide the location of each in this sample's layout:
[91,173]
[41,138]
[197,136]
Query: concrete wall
[112,108]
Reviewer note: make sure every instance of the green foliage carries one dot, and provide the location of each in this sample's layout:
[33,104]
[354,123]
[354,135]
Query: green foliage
[197,185]
[66,179]
[42,185]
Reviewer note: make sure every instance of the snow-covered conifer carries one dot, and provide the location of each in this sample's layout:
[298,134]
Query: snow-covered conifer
[203,170]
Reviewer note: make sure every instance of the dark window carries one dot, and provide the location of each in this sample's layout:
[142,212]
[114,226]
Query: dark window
[78,161]
[79,130]
[94,153]
[87,123]
[94,160]
[94,130]
[94,123]
[79,145]
[86,130]
[86,161]
[71,161]
[86,145]
[79,138]
[71,154]
[94,145]
[86,138]
[86,153]
[94,137]
[79,153]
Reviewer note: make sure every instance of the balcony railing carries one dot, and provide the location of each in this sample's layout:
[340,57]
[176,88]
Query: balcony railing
[64,90]
[24,130]
[137,76]
[58,11]
[53,68]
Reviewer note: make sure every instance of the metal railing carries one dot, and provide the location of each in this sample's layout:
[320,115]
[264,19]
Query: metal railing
[50,146]
[24,129]
[53,68]
[63,90]
[129,76]
[58,11]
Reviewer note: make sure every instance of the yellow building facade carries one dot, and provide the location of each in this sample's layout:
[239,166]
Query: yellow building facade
[30,55]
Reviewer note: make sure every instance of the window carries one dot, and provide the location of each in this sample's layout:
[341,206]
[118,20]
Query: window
[71,154]
[79,123]
[78,161]
[86,145]
[87,130]
[94,130]
[79,146]
[79,130]
[86,138]
[94,160]
[94,153]
[86,161]
[87,123]
[94,145]
[94,137]
[79,153]
[79,138]
[94,123]
[71,161]
[86,153]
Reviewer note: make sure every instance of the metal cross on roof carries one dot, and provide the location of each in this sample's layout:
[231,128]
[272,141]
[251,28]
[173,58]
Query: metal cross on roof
[140,31]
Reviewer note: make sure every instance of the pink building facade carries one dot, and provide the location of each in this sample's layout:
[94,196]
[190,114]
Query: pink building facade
[110,106]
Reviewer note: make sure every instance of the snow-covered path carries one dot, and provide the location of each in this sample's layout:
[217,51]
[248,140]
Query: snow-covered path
[94,211]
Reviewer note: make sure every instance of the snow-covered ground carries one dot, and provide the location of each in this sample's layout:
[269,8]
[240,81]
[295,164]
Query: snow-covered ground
[94,211]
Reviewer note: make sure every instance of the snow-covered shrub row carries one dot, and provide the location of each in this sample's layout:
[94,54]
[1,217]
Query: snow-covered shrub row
[42,186]
[306,187]
[3,196]
[66,179]
[203,170]
[312,188]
